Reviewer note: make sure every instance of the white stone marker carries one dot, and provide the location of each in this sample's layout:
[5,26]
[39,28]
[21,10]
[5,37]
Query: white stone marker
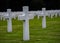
[0,17]
[48,15]
[4,19]
[52,16]
[59,14]
[44,18]
[38,16]
[26,24]
[9,21]
[56,14]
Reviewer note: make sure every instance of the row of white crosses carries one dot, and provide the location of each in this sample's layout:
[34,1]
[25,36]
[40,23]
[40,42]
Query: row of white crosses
[25,16]
[49,13]
[21,16]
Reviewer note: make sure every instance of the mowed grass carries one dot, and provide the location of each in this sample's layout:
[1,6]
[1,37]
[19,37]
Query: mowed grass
[50,34]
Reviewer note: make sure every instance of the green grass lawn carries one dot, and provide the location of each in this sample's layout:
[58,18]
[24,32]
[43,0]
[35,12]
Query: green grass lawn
[51,34]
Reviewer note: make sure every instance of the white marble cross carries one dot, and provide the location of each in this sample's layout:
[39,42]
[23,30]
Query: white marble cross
[25,17]
[26,23]
[44,18]
[9,21]
[1,17]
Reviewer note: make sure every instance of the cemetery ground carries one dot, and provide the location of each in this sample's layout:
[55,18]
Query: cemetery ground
[50,34]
